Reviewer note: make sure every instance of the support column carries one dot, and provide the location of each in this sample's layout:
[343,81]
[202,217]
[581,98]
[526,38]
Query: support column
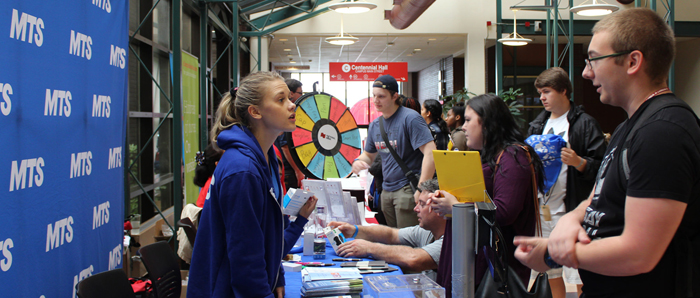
[474,63]
[259,60]
[177,152]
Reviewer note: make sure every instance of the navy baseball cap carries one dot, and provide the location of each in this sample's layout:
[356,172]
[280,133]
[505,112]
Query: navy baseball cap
[386,82]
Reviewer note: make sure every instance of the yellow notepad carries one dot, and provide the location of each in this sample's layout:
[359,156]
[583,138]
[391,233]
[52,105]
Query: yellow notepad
[460,174]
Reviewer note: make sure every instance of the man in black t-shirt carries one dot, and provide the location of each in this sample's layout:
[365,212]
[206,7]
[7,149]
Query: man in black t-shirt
[621,237]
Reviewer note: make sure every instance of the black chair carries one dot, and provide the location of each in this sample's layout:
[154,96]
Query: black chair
[108,284]
[163,269]
[187,225]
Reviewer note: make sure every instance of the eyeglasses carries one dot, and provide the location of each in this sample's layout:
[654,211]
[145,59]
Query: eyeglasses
[589,60]
[300,93]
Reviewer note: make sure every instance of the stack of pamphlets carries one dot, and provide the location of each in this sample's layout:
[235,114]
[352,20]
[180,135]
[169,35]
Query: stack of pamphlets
[322,282]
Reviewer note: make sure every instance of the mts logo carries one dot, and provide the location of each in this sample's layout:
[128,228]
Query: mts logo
[59,233]
[6,260]
[100,215]
[115,158]
[23,171]
[100,105]
[80,164]
[115,257]
[80,45]
[82,275]
[57,103]
[5,101]
[103,4]
[27,28]
[117,57]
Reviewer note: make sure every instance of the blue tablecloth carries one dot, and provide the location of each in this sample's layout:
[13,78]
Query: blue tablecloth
[293,279]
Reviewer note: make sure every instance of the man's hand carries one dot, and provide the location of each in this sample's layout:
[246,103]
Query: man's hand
[441,202]
[358,166]
[347,229]
[530,252]
[562,240]
[569,157]
[355,248]
[308,207]
[279,292]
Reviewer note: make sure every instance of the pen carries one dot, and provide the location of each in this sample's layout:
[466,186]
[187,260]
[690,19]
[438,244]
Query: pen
[319,265]
[347,260]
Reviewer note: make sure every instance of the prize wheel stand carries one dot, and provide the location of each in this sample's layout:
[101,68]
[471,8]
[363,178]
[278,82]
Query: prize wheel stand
[326,140]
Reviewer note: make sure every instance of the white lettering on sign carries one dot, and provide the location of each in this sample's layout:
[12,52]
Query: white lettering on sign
[27,28]
[101,105]
[59,233]
[80,164]
[103,4]
[23,171]
[5,101]
[100,215]
[6,260]
[57,103]
[117,57]
[80,45]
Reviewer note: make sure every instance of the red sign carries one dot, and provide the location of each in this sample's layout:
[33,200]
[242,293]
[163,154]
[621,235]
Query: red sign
[367,71]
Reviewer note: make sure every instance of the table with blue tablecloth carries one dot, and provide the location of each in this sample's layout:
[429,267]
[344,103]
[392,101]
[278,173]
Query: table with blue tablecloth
[293,279]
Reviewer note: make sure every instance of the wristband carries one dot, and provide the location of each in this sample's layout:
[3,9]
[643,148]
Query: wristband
[548,260]
[356,159]
[356,230]
[580,163]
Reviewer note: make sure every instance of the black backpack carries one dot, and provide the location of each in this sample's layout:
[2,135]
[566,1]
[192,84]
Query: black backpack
[685,245]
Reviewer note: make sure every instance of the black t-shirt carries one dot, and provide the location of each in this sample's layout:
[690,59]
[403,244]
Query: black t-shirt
[664,161]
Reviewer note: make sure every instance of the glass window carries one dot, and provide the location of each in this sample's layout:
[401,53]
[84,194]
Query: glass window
[162,140]
[134,66]
[161,23]
[161,74]
[336,89]
[134,14]
[186,35]
[358,91]
[308,80]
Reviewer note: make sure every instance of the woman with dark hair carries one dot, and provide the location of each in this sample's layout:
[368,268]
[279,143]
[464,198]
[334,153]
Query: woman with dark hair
[508,164]
[455,120]
[242,233]
[411,103]
[431,111]
[206,163]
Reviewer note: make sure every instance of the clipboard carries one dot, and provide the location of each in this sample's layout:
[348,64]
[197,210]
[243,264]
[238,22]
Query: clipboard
[460,174]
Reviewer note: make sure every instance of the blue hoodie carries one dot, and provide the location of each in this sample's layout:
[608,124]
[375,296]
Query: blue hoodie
[242,233]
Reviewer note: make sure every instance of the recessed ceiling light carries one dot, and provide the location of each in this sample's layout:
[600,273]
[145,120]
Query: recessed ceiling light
[417,50]
[292,62]
[287,50]
[289,55]
[409,55]
[431,39]
[283,39]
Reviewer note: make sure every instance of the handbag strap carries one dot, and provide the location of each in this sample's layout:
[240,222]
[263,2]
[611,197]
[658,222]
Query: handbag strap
[407,172]
[538,223]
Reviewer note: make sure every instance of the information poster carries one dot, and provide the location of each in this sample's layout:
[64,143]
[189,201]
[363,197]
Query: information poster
[190,120]
[63,108]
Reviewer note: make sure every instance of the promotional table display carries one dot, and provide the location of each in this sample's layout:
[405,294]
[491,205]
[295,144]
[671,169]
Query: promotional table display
[409,285]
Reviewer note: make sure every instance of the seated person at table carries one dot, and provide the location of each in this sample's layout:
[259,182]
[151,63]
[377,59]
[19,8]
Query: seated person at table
[414,248]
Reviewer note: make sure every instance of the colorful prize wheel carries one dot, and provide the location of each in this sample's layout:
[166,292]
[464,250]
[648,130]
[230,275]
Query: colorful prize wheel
[326,140]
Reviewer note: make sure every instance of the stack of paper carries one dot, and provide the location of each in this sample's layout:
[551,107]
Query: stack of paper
[331,288]
[294,200]
[320,282]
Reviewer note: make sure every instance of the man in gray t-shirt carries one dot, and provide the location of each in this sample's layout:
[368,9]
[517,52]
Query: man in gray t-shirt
[409,135]
[414,249]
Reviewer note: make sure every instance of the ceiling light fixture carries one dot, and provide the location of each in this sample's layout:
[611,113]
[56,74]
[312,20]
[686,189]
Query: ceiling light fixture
[514,39]
[594,9]
[283,39]
[352,6]
[287,50]
[341,39]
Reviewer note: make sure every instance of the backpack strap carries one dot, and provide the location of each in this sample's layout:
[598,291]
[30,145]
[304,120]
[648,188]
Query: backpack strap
[412,177]
[538,224]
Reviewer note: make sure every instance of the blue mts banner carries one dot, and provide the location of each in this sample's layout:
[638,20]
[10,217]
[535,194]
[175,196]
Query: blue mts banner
[63,99]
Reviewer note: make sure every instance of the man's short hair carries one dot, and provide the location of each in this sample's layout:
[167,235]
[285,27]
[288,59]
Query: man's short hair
[555,78]
[430,185]
[643,30]
[293,84]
